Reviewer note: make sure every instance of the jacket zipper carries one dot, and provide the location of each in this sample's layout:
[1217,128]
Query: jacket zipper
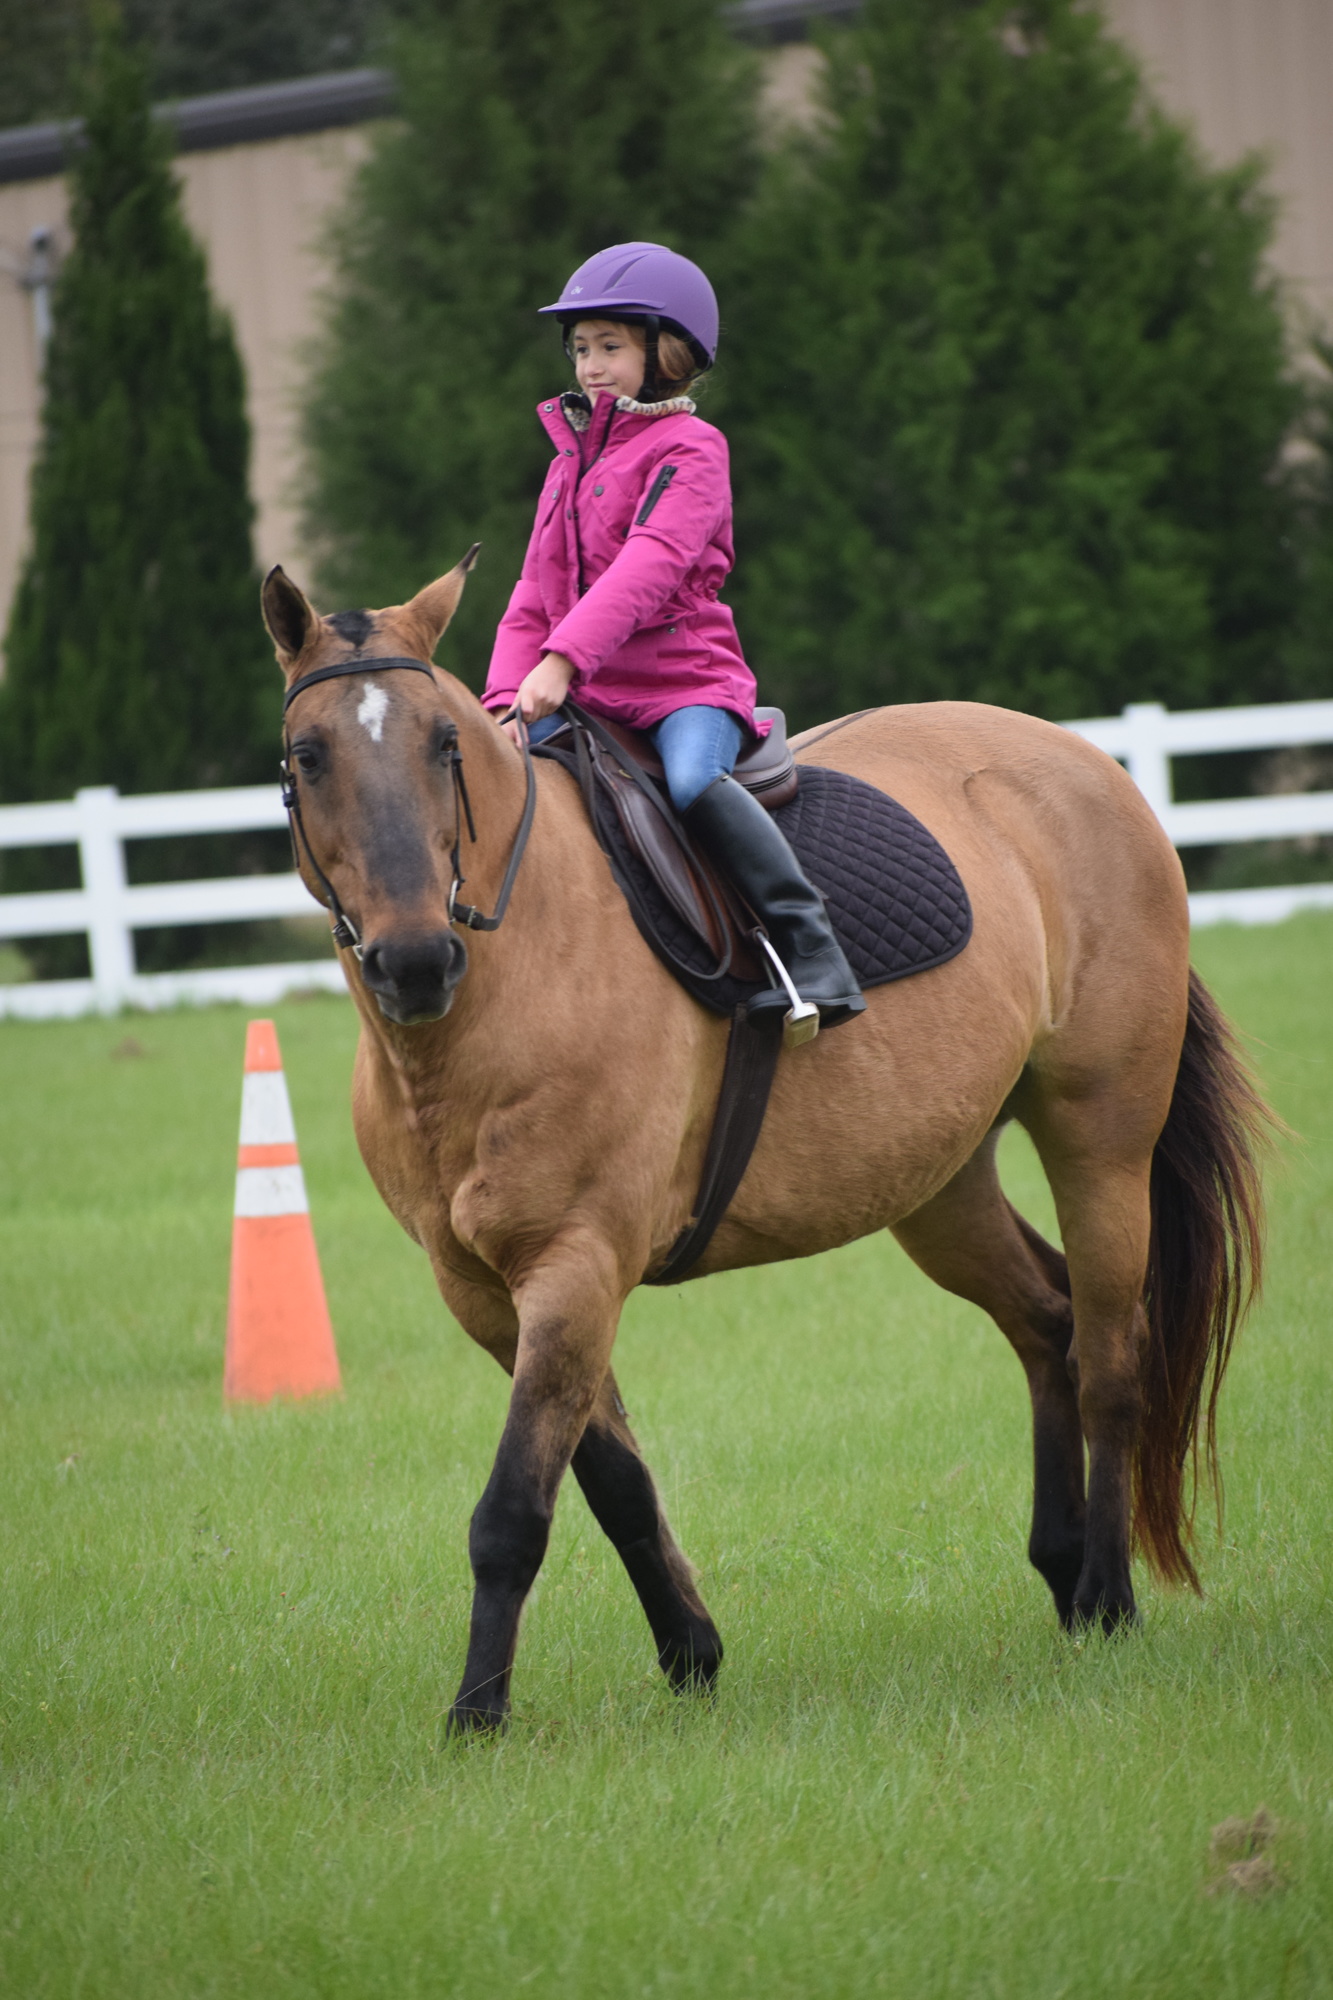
[655,492]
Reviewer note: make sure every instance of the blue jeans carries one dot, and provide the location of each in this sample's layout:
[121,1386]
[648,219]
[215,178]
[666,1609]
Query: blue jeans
[696,746]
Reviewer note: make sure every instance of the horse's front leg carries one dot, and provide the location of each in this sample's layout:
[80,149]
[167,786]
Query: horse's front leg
[619,1489]
[567,1310]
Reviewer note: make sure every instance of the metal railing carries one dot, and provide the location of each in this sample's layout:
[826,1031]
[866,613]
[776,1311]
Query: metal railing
[108,910]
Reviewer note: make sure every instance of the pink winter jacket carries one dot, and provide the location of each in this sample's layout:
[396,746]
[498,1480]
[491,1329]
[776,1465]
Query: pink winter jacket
[631,545]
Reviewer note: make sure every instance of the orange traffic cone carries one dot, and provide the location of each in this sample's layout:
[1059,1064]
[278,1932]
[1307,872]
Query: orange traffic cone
[279,1339]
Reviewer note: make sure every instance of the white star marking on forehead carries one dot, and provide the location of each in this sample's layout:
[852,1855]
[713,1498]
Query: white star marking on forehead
[373,709]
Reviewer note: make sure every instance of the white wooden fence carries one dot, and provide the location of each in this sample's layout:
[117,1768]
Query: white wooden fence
[108,910]
[1147,736]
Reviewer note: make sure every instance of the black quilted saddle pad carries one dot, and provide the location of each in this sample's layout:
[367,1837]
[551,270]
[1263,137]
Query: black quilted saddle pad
[895,899]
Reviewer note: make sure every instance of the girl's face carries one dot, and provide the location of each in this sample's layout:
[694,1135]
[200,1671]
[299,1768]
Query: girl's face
[608,358]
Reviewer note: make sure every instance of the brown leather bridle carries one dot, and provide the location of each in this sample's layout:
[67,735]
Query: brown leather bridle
[345,933]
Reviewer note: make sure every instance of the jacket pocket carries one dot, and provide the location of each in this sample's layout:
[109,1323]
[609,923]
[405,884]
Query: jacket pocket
[654,494]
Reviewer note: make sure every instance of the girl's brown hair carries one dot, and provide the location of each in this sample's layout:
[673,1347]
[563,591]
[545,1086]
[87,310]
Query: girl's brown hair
[676,365]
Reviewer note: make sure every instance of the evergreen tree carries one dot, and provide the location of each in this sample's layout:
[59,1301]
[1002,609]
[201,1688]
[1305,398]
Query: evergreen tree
[1011,389]
[37,56]
[189,46]
[535,132]
[134,654]
[1311,477]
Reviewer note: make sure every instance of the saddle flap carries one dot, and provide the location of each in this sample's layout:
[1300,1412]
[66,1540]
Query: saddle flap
[661,853]
[680,874]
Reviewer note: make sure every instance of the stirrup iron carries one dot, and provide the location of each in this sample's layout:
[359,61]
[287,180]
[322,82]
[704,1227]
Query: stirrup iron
[802,1019]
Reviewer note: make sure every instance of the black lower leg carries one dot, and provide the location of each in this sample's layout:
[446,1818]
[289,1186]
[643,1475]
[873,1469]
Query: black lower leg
[1056,1544]
[506,1542]
[619,1490]
[1059,1509]
[1105,1593]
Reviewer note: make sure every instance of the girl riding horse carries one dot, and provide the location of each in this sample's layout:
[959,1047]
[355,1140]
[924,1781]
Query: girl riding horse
[618,599]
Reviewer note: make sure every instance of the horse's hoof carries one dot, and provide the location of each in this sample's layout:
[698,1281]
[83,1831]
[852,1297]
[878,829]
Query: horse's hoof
[466,1721]
[1061,1573]
[1114,1616]
[690,1670]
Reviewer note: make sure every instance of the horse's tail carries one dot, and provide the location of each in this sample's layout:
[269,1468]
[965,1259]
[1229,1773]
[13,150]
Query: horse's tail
[1205,1263]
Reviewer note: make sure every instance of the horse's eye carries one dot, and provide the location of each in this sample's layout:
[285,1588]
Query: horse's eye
[446,743]
[307,759]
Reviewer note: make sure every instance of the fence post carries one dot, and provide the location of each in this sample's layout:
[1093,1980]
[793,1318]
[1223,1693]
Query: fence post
[102,859]
[1149,765]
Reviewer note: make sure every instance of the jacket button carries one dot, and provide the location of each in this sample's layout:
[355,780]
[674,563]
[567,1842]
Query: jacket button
[671,628]
[569,451]
[598,490]
[548,407]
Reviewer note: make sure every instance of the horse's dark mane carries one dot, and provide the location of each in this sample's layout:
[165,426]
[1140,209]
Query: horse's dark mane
[354,626]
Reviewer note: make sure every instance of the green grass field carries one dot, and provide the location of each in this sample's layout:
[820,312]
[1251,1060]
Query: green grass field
[228,1640]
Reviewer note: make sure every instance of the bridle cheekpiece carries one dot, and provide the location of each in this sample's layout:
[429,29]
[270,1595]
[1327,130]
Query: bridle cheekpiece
[345,933]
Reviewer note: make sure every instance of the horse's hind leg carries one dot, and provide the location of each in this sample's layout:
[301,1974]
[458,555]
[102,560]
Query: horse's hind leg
[619,1489]
[973,1243]
[1096,1147]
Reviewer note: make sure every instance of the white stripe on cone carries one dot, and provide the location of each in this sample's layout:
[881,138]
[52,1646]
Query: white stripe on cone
[266,1113]
[270,1190]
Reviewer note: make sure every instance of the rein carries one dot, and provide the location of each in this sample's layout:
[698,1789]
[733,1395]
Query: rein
[345,934]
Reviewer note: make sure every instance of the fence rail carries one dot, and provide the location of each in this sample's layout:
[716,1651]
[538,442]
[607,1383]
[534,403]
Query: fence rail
[108,910]
[1146,736]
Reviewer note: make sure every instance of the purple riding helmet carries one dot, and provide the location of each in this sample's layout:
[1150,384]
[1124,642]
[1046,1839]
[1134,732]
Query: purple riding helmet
[649,286]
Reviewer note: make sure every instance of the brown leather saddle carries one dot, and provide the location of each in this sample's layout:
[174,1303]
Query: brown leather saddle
[620,766]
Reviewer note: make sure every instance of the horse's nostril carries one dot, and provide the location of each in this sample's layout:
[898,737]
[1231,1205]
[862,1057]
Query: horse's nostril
[413,978]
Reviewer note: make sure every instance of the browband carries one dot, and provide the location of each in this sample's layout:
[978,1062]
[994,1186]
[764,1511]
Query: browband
[374,665]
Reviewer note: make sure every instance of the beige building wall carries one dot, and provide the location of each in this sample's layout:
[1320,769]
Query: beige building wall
[1254,74]
[1246,73]
[259,211]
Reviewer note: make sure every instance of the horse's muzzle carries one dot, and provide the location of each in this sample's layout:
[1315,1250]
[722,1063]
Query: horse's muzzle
[413,978]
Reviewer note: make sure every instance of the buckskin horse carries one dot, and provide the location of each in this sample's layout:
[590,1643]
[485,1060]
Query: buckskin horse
[534,1106]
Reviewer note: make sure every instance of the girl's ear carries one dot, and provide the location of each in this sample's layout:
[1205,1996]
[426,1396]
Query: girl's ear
[288,614]
[428,613]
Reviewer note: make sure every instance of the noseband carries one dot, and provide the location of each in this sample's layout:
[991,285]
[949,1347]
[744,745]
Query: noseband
[345,933]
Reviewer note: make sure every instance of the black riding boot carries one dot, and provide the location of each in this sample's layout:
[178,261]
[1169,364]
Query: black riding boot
[752,851]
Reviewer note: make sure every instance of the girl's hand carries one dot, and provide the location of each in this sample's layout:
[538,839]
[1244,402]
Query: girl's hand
[545,687]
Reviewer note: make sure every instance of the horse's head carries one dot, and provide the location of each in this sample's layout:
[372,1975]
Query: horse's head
[373,780]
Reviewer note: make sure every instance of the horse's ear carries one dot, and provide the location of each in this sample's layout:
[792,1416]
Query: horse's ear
[288,613]
[430,610]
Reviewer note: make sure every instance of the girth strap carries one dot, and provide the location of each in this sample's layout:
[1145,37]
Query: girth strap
[753,1048]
